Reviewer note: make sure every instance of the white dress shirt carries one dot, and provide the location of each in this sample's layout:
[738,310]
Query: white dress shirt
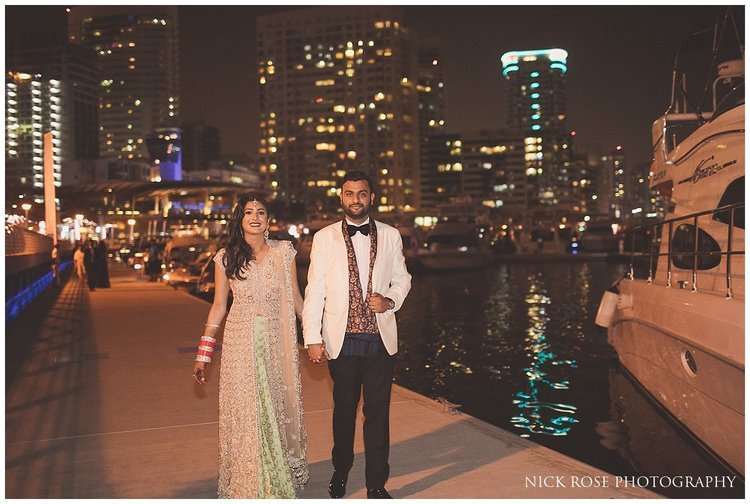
[361,244]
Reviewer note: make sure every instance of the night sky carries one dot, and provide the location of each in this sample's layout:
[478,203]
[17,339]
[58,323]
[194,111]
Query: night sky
[618,80]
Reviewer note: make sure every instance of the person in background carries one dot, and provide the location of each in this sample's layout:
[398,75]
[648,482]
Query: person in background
[89,262]
[78,261]
[56,264]
[154,263]
[100,262]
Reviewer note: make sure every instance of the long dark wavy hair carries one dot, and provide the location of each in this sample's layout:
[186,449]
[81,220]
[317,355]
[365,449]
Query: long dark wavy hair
[238,253]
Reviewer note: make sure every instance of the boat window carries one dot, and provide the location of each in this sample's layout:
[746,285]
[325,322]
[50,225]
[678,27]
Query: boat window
[733,98]
[676,132]
[734,193]
[683,243]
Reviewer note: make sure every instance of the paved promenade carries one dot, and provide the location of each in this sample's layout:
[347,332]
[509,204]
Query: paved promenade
[105,407]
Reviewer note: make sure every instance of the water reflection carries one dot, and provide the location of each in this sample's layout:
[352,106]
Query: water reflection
[516,346]
[544,375]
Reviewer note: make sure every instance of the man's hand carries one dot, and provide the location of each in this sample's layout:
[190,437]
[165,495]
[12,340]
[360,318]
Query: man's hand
[379,304]
[318,353]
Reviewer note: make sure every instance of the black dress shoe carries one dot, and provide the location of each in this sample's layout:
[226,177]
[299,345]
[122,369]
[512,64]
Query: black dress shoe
[378,493]
[337,486]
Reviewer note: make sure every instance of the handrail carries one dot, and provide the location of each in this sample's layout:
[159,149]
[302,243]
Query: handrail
[654,257]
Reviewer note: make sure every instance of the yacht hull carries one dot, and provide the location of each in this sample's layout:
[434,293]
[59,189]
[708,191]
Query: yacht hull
[690,360]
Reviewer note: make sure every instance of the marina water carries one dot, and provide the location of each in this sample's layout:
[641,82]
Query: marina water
[515,345]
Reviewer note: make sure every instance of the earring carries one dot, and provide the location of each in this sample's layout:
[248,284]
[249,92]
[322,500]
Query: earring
[265,234]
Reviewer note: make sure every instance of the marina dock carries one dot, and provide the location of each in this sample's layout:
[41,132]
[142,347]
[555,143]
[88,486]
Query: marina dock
[105,406]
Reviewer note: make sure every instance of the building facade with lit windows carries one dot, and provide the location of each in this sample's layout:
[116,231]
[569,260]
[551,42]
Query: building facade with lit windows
[535,83]
[75,68]
[494,170]
[338,93]
[617,183]
[644,203]
[137,58]
[439,153]
[441,166]
[587,180]
[33,107]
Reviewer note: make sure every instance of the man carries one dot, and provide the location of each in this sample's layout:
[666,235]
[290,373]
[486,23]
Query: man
[356,282]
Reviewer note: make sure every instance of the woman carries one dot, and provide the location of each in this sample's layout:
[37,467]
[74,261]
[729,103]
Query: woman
[262,440]
[100,263]
[89,263]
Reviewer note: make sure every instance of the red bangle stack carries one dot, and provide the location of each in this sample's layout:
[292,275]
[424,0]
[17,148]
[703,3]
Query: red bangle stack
[205,349]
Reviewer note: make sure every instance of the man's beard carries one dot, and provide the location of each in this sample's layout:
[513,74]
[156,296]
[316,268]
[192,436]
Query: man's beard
[364,211]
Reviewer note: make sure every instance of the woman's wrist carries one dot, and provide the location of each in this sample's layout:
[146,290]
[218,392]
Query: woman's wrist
[205,349]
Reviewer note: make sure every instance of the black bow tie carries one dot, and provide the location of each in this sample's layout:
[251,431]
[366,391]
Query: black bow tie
[364,229]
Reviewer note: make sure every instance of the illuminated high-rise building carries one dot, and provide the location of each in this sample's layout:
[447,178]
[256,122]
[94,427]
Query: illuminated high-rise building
[33,107]
[535,82]
[588,181]
[439,153]
[493,170]
[616,183]
[137,58]
[75,68]
[337,93]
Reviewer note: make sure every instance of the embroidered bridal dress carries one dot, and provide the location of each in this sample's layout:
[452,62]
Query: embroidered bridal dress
[262,439]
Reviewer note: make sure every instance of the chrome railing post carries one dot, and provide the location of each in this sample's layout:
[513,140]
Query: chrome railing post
[730,235]
[695,254]
[632,253]
[651,258]
[669,256]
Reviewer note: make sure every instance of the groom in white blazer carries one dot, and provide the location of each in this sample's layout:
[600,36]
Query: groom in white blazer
[356,282]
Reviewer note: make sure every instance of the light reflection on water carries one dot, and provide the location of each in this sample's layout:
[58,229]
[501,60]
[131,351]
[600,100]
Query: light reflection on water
[516,346]
[543,373]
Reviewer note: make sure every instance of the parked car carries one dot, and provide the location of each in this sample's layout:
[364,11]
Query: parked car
[177,274]
[205,286]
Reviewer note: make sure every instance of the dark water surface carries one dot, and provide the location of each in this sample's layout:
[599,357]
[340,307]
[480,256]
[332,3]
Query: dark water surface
[516,345]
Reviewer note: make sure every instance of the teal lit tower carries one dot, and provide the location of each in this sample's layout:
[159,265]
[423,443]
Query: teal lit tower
[535,84]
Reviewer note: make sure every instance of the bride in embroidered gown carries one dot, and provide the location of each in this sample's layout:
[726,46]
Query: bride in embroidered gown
[262,439]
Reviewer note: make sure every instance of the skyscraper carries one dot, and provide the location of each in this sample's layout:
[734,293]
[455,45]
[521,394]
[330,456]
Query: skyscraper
[439,153]
[338,92]
[137,57]
[493,170]
[535,82]
[616,183]
[75,68]
[588,180]
[201,145]
[33,108]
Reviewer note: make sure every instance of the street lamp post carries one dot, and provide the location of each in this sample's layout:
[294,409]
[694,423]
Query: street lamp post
[26,207]
[131,223]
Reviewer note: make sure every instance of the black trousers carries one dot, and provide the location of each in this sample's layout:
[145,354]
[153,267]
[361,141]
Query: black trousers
[371,377]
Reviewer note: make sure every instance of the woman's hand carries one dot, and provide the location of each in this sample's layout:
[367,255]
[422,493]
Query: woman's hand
[199,372]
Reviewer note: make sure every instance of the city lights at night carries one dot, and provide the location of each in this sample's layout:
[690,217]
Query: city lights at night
[546,200]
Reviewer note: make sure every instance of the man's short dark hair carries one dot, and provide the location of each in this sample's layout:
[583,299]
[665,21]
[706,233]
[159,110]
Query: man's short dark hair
[356,175]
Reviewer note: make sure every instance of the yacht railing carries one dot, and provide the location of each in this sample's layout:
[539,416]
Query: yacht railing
[653,231]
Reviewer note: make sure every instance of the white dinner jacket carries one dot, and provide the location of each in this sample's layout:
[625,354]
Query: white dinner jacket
[326,308]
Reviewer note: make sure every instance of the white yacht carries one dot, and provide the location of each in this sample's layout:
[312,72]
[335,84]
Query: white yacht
[677,319]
